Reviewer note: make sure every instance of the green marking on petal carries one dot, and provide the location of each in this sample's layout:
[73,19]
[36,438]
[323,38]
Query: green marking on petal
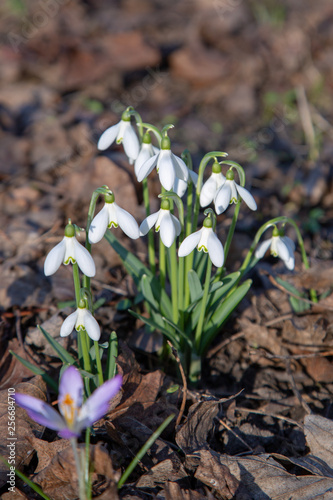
[69,260]
[112,223]
[79,328]
[203,248]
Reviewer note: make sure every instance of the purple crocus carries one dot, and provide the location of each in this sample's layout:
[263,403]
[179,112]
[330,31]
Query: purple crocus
[74,416]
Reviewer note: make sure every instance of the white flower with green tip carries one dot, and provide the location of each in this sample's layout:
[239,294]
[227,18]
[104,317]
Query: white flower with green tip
[205,239]
[123,133]
[168,166]
[81,320]
[112,215]
[210,188]
[229,193]
[280,246]
[69,250]
[165,223]
[180,186]
[147,151]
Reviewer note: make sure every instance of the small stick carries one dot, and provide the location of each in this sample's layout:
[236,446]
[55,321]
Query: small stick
[182,407]
[235,434]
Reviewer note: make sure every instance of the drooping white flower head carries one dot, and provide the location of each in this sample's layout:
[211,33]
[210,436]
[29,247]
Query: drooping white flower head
[147,151]
[212,185]
[123,133]
[168,166]
[180,186]
[205,239]
[112,215]
[81,320]
[69,250]
[229,193]
[280,246]
[165,222]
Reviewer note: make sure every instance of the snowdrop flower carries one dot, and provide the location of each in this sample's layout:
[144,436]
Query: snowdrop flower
[81,320]
[147,151]
[74,416]
[280,246]
[212,185]
[180,186]
[112,215]
[69,250]
[229,193]
[205,239]
[123,133]
[166,223]
[168,166]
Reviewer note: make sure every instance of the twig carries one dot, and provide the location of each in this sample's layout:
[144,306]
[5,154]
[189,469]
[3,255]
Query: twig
[306,120]
[225,342]
[294,388]
[235,434]
[182,407]
[283,317]
[260,412]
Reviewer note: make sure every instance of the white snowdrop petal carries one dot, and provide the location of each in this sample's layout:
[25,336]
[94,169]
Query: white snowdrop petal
[108,137]
[91,326]
[84,260]
[167,230]
[127,223]
[215,250]
[166,171]
[290,263]
[143,156]
[131,143]
[181,169]
[179,187]
[194,177]
[208,192]
[99,225]
[189,243]
[222,198]
[282,249]
[247,197]
[147,168]
[262,248]
[55,258]
[289,242]
[148,223]
[177,224]
[68,325]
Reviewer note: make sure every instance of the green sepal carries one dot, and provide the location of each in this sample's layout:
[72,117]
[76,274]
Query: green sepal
[61,351]
[299,306]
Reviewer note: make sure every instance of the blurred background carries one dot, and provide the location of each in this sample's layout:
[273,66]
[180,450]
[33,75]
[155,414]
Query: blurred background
[253,78]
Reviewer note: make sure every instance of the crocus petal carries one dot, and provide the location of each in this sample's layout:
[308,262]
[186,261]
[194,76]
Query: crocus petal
[222,198]
[147,167]
[131,143]
[208,192]
[97,404]
[247,197]
[68,325]
[166,170]
[215,250]
[282,249]
[127,223]
[99,225]
[84,259]
[262,248]
[167,230]
[68,434]
[71,384]
[55,258]
[41,412]
[189,243]
[108,137]
[91,326]
[148,223]
[180,167]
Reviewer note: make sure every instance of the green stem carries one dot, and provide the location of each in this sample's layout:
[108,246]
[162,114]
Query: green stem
[173,281]
[85,351]
[231,232]
[151,245]
[162,264]
[98,363]
[82,489]
[198,332]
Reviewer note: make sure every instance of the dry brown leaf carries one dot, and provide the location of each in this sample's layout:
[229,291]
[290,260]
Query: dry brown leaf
[319,435]
[12,371]
[216,475]
[193,434]
[25,427]
[174,492]
[46,451]
[59,478]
